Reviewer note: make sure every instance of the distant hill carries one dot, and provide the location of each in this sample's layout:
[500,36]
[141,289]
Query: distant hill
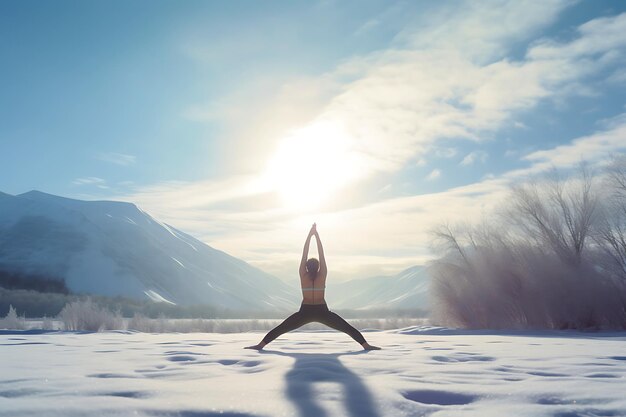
[116,249]
[406,290]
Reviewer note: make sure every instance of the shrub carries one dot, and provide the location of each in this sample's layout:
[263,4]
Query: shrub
[533,265]
[88,316]
[47,324]
[12,321]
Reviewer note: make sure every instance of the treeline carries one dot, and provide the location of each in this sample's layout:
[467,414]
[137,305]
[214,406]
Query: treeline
[380,313]
[37,282]
[35,304]
[552,257]
[86,315]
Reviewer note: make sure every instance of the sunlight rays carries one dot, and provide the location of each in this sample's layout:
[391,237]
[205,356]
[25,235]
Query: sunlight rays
[311,165]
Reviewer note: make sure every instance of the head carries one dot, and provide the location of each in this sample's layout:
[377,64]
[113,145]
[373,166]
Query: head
[312,266]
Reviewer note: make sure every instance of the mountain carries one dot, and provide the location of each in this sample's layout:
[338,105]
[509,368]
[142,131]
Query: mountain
[406,290]
[114,248]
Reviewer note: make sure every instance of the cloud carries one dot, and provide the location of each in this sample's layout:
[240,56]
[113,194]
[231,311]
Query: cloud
[367,27]
[117,158]
[591,148]
[448,77]
[271,110]
[445,77]
[600,38]
[482,31]
[433,82]
[434,174]
[95,181]
[475,156]
[189,195]
[377,238]
[446,152]
[455,81]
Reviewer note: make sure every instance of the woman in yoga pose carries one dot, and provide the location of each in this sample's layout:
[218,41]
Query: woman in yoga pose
[313,307]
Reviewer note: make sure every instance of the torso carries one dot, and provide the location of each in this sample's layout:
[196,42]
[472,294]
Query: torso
[316,296]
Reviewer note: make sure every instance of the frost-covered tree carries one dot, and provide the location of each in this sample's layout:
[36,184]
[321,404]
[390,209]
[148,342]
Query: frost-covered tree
[12,321]
[47,323]
[534,265]
[87,315]
[611,232]
[557,213]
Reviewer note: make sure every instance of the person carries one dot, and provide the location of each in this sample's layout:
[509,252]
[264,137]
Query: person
[313,308]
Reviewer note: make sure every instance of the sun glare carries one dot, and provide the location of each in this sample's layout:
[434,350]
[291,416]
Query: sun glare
[311,164]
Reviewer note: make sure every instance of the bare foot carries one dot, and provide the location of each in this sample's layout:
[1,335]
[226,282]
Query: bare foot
[256,347]
[367,346]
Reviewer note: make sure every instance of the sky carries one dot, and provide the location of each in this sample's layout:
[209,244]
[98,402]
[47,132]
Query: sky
[242,123]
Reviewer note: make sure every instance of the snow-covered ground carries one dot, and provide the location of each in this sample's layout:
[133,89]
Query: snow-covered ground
[421,371]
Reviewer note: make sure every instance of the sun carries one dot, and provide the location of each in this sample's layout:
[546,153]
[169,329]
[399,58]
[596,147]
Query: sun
[311,165]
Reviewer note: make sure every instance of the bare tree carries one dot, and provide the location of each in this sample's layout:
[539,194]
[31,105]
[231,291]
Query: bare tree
[534,266]
[558,212]
[611,233]
[443,235]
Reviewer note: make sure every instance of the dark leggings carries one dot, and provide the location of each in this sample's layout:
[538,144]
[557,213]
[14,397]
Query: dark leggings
[314,312]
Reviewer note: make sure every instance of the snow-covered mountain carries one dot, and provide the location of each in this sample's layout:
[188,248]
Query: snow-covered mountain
[115,248]
[406,290]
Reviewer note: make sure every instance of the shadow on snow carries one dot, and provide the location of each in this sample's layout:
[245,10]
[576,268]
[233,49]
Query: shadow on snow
[311,368]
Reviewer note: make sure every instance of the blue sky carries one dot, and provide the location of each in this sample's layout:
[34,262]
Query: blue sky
[243,122]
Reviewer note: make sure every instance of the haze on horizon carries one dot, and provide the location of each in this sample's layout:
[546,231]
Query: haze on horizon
[242,123]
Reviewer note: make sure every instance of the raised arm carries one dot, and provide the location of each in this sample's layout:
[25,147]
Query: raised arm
[305,251]
[320,252]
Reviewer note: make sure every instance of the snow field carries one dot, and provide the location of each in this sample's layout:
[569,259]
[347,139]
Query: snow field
[421,372]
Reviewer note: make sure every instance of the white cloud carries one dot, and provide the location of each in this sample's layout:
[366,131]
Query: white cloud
[179,196]
[449,78]
[473,157]
[255,117]
[618,77]
[95,181]
[377,238]
[601,38]
[434,174]
[117,158]
[405,100]
[367,27]
[445,77]
[590,148]
[482,31]
[446,152]
[433,82]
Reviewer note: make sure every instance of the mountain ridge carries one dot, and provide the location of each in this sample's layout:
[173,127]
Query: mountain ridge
[121,250]
[409,289]
[115,248]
